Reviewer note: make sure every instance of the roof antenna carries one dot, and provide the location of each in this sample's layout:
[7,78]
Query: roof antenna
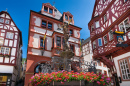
[6,9]
[54,3]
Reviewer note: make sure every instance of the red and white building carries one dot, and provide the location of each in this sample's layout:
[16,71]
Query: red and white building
[109,16]
[48,21]
[88,56]
[10,50]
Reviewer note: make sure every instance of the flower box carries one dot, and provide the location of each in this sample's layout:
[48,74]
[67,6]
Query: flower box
[62,78]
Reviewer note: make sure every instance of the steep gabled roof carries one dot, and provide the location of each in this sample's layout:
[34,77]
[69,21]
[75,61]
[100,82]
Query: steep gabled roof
[20,33]
[85,41]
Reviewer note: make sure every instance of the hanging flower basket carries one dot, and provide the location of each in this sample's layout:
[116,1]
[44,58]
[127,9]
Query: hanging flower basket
[63,77]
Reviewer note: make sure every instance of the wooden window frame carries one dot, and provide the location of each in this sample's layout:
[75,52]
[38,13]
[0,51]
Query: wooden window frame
[73,47]
[72,32]
[49,10]
[123,24]
[128,62]
[6,20]
[42,24]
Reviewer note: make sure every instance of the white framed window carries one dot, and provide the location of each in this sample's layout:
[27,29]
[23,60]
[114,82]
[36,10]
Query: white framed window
[7,21]
[110,35]
[124,25]
[94,44]
[105,18]
[105,39]
[97,24]
[92,28]
[124,68]
[4,50]
[9,35]
[99,42]
[1,20]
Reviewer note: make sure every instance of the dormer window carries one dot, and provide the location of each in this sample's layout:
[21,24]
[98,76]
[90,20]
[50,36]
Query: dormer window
[70,18]
[46,9]
[50,26]
[66,17]
[43,24]
[50,10]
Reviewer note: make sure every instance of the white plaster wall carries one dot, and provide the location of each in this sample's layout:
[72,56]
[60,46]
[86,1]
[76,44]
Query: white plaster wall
[88,57]
[75,33]
[12,23]
[37,21]
[42,31]
[71,39]
[7,16]
[15,43]
[12,58]
[49,43]
[10,43]
[77,49]
[6,60]
[124,83]
[1,59]
[56,26]
[13,51]
[6,42]
[57,14]
[36,40]
[38,52]
[6,69]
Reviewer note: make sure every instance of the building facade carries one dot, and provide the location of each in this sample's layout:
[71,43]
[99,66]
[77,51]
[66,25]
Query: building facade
[48,22]
[88,56]
[111,16]
[10,50]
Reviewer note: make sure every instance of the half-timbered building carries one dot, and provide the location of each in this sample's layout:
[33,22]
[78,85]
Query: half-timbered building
[111,16]
[10,50]
[47,24]
[87,55]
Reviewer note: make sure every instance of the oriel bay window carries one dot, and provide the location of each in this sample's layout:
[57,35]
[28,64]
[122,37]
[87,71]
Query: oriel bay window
[58,41]
[42,45]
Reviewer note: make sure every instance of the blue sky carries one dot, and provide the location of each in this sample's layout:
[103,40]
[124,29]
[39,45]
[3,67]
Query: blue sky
[20,12]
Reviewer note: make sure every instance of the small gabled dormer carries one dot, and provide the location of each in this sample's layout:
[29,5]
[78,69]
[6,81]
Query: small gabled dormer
[67,16]
[48,9]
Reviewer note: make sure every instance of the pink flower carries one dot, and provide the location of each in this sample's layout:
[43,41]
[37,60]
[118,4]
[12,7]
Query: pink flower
[62,82]
[65,80]
[72,75]
[108,79]
[98,82]
[102,77]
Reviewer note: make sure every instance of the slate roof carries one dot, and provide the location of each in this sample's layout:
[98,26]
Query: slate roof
[85,41]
